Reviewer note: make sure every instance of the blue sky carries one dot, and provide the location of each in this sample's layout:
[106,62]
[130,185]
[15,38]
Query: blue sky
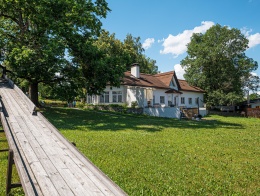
[165,26]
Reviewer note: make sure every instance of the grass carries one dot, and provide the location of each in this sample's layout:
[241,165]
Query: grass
[158,156]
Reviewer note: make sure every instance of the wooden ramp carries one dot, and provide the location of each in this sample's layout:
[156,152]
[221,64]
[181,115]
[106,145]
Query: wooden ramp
[47,163]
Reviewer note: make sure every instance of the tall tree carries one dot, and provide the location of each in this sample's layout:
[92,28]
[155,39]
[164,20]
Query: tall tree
[36,35]
[135,51]
[216,62]
[125,53]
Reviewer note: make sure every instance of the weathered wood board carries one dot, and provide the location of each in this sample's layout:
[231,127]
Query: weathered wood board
[47,163]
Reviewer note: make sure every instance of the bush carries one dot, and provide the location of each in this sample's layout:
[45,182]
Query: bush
[134,104]
[80,105]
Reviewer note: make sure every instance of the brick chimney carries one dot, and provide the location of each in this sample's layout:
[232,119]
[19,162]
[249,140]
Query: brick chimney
[135,70]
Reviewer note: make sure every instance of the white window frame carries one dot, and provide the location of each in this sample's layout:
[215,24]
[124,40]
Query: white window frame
[104,98]
[117,97]
[182,100]
[89,99]
[190,101]
[162,99]
[197,100]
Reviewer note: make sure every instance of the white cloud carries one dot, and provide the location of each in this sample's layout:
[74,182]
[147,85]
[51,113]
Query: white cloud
[179,71]
[254,39]
[148,43]
[177,45]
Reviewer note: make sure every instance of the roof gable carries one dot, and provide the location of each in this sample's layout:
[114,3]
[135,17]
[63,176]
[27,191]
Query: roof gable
[167,78]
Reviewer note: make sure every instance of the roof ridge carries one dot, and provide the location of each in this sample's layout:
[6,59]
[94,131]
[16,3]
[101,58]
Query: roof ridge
[164,73]
[142,73]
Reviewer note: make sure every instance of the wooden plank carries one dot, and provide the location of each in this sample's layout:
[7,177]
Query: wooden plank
[64,188]
[47,187]
[29,103]
[64,161]
[106,184]
[48,166]
[57,152]
[24,178]
[29,184]
[60,169]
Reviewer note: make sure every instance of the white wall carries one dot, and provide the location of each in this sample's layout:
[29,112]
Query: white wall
[95,99]
[160,92]
[168,112]
[135,94]
[193,96]
[130,94]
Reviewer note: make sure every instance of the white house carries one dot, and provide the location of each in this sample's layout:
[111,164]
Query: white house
[159,90]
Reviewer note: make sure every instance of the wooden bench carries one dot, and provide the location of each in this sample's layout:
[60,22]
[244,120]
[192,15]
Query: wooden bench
[47,163]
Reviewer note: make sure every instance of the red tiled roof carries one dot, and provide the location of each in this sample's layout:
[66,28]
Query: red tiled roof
[162,80]
[186,87]
[166,77]
[145,80]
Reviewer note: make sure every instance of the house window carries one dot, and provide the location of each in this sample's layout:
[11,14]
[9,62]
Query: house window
[117,96]
[104,98]
[190,101]
[197,100]
[162,99]
[89,99]
[182,100]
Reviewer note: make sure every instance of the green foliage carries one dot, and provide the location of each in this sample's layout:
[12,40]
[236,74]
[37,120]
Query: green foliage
[125,53]
[135,54]
[216,62]
[158,156]
[254,96]
[37,38]
[134,104]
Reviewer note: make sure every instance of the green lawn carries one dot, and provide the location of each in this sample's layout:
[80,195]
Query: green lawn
[157,156]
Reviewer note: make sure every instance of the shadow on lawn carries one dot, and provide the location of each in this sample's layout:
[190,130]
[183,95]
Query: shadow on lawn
[73,119]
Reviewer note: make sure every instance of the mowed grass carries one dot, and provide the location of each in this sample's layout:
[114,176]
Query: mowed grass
[158,156]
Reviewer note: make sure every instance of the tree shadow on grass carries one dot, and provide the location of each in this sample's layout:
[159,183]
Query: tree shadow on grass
[73,119]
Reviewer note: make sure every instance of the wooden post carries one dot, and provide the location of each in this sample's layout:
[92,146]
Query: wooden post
[198,106]
[9,184]
[9,171]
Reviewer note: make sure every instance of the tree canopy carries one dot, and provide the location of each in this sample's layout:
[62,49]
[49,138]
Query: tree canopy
[126,52]
[39,39]
[36,37]
[104,50]
[216,62]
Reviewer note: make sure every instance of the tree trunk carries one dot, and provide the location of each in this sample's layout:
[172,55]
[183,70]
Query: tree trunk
[33,93]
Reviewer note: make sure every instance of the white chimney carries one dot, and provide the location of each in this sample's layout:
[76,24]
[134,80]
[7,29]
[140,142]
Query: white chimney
[135,70]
